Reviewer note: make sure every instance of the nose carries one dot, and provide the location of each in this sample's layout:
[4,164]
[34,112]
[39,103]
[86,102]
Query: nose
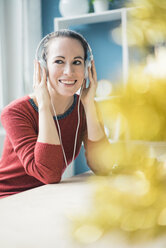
[68,69]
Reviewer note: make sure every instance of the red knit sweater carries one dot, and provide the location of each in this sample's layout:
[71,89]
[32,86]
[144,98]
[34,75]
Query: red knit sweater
[26,163]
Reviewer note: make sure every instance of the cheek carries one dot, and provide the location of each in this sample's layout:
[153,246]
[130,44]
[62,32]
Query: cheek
[81,73]
[54,71]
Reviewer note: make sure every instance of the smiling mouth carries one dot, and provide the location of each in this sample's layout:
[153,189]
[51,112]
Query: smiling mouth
[65,82]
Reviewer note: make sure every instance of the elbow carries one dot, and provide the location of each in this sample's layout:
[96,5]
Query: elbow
[52,180]
[44,174]
[98,171]
[99,167]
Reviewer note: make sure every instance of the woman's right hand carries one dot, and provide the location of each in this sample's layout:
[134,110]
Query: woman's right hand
[40,86]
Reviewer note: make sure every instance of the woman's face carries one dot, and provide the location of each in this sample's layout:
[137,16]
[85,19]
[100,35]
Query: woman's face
[65,63]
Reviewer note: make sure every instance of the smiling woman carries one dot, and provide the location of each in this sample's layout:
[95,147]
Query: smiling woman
[45,129]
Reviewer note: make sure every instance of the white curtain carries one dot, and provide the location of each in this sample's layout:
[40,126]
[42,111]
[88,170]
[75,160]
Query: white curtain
[31,29]
[20,32]
[2,55]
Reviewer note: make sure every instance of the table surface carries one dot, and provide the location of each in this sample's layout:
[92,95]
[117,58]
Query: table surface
[41,218]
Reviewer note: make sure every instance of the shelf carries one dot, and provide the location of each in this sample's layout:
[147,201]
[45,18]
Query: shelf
[110,15]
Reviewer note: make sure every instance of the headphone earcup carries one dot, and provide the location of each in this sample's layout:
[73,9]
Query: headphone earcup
[87,64]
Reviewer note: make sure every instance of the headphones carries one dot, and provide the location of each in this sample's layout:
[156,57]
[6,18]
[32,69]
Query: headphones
[40,53]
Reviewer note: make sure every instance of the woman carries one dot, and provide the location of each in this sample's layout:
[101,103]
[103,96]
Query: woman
[41,129]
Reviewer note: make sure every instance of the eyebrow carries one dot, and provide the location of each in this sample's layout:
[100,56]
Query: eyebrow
[77,57]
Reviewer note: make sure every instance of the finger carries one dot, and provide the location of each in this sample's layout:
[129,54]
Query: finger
[35,75]
[94,73]
[44,78]
[36,72]
[90,74]
[91,79]
[38,79]
[84,84]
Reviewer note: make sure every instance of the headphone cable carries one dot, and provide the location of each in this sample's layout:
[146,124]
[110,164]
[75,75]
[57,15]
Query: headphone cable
[59,131]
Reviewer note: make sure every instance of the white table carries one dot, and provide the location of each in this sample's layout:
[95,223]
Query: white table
[38,218]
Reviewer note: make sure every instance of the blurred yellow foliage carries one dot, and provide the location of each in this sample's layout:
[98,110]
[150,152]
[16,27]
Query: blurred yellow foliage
[147,22]
[131,195]
[130,191]
[138,112]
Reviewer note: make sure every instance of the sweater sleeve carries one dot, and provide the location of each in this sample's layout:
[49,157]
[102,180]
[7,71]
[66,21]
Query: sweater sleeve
[43,161]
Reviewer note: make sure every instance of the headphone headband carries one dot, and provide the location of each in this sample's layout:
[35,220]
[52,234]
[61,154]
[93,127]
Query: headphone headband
[50,35]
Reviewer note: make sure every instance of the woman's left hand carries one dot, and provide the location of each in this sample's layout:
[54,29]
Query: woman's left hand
[88,94]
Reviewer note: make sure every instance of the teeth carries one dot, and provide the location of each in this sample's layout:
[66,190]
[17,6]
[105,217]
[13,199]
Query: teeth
[67,82]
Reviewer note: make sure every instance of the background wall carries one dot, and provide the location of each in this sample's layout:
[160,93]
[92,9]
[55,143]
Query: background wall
[107,54]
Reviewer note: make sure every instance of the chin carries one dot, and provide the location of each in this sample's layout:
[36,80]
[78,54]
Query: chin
[68,91]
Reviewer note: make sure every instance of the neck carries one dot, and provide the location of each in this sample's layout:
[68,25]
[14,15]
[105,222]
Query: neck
[61,103]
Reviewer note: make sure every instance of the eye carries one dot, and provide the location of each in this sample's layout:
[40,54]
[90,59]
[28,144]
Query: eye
[77,62]
[59,61]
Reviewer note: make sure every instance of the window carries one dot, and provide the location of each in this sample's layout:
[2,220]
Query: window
[20,32]
[2,60]
[1,86]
